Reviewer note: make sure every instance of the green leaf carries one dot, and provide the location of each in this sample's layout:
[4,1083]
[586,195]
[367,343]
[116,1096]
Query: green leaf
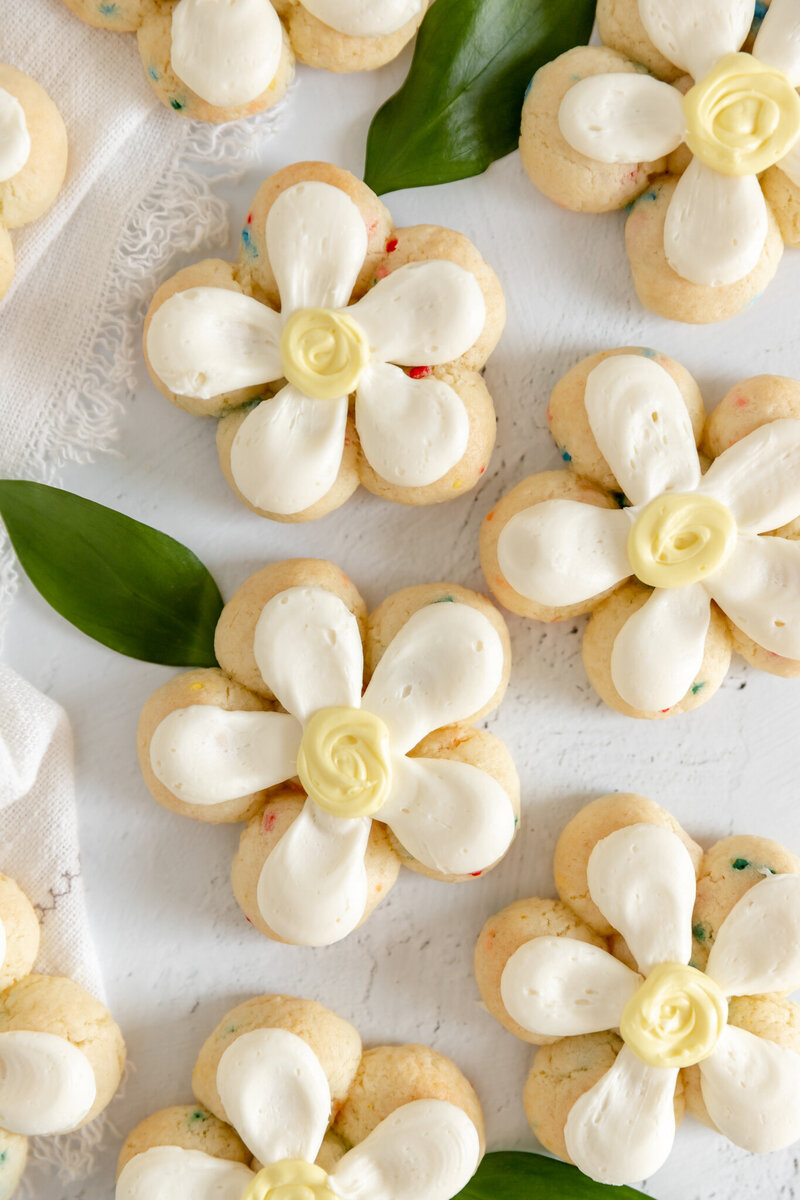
[513,1176]
[459,109]
[125,584]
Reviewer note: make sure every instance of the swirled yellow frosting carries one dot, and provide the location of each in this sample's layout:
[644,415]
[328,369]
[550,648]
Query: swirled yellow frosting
[291,1179]
[323,352]
[344,762]
[675,1018]
[679,539]
[743,117]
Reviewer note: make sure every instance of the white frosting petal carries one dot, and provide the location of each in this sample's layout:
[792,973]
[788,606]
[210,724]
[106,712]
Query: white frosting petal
[287,451]
[622,118]
[697,34]
[778,41]
[47,1085]
[790,164]
[622,1129]
[275,1094]
[317,243]
[308,649]
[659,650]
[15,141]
[227,51]
[445,664]
[757,946]
[563,552]
[170,1173]
[758,588]
[642,427]
[449,815]
[758,478]
[716,226]
[210,340]
[642,879]
[206,755]
[312,890]
[751,1089]
[422,314]
[428,1148]
[560,987]
[364,18]
[412,431]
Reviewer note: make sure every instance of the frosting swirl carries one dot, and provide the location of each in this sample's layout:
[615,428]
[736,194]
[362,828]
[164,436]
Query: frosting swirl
[680,538]
[344,762]
[743,117]
[291,1179]
[15,140]
[675,1018]
[323,352]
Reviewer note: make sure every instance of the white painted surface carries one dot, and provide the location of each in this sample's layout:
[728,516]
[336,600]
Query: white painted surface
[176,949]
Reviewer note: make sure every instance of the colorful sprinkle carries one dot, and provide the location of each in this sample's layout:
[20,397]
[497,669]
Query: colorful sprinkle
[152,72]
[445,600]
[648,353]
[249,218]
[699,932]
[419,372]
[391,245]
[196,686]
[247,242]
[197,1117]
[565,454]
[698,687]
[381,272]
[108,10]
[178,104]
[740,864]
[268,823]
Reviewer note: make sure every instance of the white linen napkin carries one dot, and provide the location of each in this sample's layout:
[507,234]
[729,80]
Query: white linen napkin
[138,191]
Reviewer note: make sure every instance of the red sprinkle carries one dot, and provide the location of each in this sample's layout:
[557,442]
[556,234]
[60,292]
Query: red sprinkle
[475,874]
[481,470]
[249,218]
[391,245]
[419,372]
[269,821]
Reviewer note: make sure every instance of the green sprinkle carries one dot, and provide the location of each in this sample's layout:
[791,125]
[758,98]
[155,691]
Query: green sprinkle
[740,864]
[177,105]
[231,1029]
[197,1117]
[698,687]
[445,600]
[699,933]
[3,1157]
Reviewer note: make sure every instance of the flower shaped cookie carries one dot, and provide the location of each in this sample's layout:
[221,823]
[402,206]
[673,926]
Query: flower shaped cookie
[315,241]
[704,241]
[33,159]
[291,1107]
[636,1020]
[219,60]
[61,1053]
[339,787]
[637,503]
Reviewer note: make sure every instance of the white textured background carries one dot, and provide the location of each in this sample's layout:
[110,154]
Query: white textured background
[176,949]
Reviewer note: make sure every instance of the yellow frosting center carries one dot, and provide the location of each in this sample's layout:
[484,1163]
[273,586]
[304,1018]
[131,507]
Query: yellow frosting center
[291,1179]
[344,762]
[323,352]
[743,117]
[675,1018]
[680,539]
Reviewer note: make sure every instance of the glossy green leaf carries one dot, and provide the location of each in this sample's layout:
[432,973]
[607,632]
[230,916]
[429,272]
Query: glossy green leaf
[513,1176]
[121,582]
[459,109]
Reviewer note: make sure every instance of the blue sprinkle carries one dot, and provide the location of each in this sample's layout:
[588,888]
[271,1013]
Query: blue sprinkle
[528,88]
[647,352]
[248,245]
[152,72]
[565,454]
[108,10]
[575,78]
[758,17]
